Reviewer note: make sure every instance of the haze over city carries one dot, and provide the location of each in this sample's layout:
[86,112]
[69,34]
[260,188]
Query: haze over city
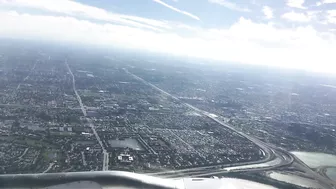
[292,33]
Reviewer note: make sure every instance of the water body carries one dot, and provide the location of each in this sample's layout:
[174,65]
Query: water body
[295,179]
[229,183]
[315,160]
[331,173]
[126,143]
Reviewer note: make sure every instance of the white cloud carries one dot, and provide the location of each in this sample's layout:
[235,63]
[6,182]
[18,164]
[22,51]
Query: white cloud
[332,12]
[331,16]
[230,5]
[319,3]
[328,1]
[76,9]
[268,12]
[296,17]
[296,4]
[176,9]
[259,43]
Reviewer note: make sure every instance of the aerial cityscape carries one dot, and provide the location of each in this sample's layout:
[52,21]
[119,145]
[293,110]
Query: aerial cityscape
[78,109]
[167,94]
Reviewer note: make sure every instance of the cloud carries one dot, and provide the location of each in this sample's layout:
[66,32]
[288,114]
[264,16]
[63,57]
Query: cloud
[268,12]
[265,44]
[259,43]
[319,3]
[230,5]
[177,10]
[296,17]
[331,16]
[75,9]
[296,4]
[332,12]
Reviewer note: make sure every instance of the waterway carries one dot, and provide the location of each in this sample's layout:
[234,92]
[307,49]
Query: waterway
[331,173]
[314,160]
[224,183]
[295,179]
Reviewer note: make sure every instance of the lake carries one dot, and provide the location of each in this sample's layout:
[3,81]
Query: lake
[126,143]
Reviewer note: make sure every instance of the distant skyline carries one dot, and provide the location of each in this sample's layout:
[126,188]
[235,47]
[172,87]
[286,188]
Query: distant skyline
[287,33]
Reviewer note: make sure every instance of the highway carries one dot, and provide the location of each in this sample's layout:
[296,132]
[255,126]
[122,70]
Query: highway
[281,158]
[27,77]
[89,121]
[274,157]
[326,182]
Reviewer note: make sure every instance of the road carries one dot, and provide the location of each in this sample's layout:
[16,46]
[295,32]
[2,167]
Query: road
[326,182]
[281,159]
[274,157]
[89,121]
[21,156]
[27,77]
[322,170]
[49,167]
[83,159]
[209,115]
[24,153]
[36,106]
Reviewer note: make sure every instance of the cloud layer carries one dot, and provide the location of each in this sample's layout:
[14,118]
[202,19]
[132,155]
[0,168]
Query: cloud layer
[297,17]
[296,4]
[245,41]
[268,12]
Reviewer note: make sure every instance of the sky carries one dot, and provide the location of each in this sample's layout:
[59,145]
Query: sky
[283,33]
